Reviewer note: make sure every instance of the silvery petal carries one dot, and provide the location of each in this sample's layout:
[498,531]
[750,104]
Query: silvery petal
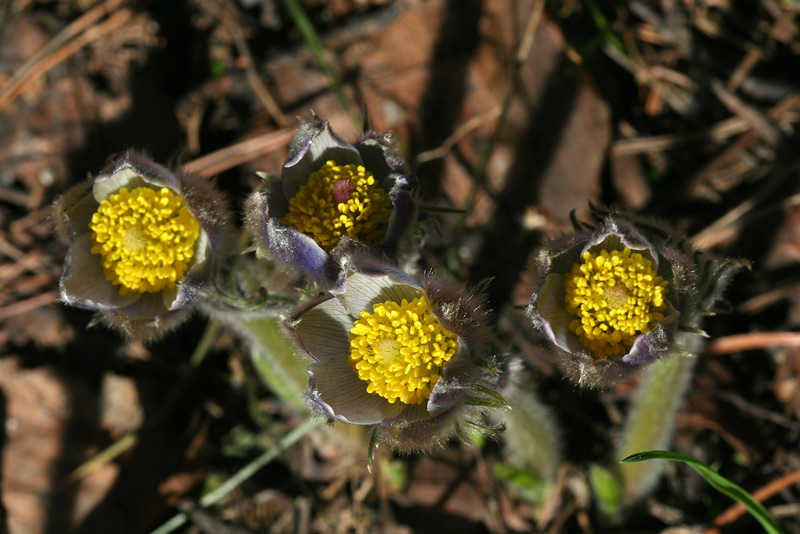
[337,389]
[363,291]
[323,331]
[324,145]
[412,413]
[202,250]
[80,215]
[173,299]
[84,284]
[403,213]
[374,153]
[108,184]
[154,174]
[619,233]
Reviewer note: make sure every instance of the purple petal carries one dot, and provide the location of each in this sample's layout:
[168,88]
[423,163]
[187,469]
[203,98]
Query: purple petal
[337,389]
[320,145]
[84,284]
[653,344]
[298,250]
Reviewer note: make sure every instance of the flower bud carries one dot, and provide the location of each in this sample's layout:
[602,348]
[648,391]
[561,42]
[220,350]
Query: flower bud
[142,242]
[621,296]
[333,198]
[396,354]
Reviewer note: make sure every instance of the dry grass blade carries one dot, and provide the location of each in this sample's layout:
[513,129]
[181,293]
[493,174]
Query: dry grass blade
[752,341]
[659,143]
[260,90]
[63,46]
[27,305]
[229,157]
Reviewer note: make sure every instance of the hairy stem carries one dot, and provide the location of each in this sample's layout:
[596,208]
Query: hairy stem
[651,422]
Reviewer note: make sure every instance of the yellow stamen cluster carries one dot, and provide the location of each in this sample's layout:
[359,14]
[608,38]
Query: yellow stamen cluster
[399,350]
[616,296]
[325,211]
[145,238]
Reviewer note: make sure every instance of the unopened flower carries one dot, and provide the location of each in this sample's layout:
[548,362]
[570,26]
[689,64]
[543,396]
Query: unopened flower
[333,198]
[622,296]
[396,354]
[141,243]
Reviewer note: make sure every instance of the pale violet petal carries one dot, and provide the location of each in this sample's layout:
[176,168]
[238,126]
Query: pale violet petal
[551,308]
[84,284]
[324,330]
[201,249]
[149,306]
[363,291]
[323,147]
[336,387]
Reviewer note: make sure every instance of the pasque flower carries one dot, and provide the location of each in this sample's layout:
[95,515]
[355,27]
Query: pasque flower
[333,198]
[394,353]
[141,241]
[614,298]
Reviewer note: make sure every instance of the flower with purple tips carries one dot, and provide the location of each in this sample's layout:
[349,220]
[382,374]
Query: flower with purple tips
[334,199]
[621,296]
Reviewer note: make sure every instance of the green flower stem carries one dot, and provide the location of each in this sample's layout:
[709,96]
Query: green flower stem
[276,361]
[651,422]
[244,473]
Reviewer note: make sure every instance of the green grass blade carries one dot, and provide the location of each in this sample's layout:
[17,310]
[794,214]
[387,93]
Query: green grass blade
[309,33]
[718,482]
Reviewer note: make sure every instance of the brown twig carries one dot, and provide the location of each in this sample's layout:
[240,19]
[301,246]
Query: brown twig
[470,125]
[763,493]
[752,341]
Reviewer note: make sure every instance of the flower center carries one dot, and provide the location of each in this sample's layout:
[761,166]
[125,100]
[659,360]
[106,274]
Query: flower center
[340,200]
[616,296]
[145,239]
[399,350]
